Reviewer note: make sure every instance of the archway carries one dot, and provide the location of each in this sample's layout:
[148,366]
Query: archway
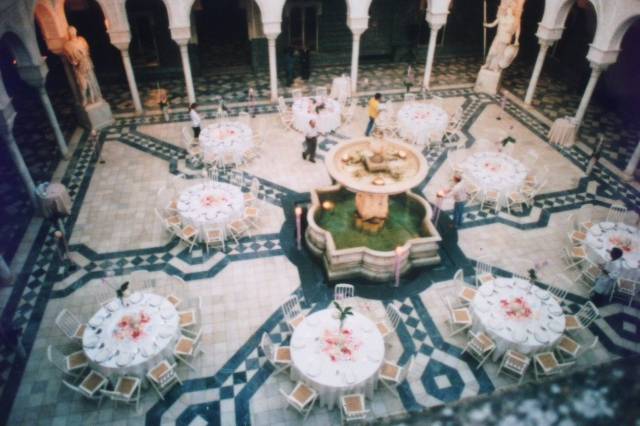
[220,31]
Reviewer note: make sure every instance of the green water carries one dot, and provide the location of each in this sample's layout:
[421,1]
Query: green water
[403,223]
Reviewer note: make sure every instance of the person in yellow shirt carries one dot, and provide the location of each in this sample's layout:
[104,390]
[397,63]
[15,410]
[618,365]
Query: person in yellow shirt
[374,111]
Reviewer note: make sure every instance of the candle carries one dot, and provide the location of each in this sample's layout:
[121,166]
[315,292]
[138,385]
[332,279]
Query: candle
[298,211]
[397,265]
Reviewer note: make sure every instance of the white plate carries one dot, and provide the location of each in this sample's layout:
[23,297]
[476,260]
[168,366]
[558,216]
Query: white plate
[486,289]
[518,335]
[555,326]
[113,306]
[90,340]
[103,354]
[541,293]
[95,321]
[481,305]
[124,358]
[165,315]
[165,334]
[154,301]
[522,284]
[541,336]
[501,282]
[554,309]
[135,297]
[313,370]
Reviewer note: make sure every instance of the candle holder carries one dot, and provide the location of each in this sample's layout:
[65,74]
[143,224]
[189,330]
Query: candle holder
[298,212]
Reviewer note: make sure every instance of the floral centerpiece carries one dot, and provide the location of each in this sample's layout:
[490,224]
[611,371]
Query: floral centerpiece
[516,308]
[340,345]
[211,200]
[131,326]
[624,244]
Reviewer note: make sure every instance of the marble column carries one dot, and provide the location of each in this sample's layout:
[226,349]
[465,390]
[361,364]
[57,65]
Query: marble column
[537,69]
[633,162]
[131,79]
[355,56]
[6,277]
[186,68]
[596,70]
[273,66]
[46,103]
[16,156]
[433,36]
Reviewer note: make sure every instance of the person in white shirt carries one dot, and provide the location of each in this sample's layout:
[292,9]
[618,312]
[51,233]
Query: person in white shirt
[459,193]
[310,142]
[611,271]
[195,119]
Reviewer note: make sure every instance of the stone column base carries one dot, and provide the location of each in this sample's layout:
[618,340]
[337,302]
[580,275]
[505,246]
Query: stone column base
[488,81]
[96,115]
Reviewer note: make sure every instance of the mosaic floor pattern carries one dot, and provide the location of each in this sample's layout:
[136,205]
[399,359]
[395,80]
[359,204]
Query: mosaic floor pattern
[112,229]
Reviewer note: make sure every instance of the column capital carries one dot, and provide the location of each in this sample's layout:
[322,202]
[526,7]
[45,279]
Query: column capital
[601,58]
[435,26]
[272,29]
[549,33]
[358,25]
[598,67]
[120,39]
[181,35]
[545,43]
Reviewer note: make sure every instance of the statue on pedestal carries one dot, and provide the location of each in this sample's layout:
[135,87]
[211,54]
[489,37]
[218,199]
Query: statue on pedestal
[504,47]
[76,52]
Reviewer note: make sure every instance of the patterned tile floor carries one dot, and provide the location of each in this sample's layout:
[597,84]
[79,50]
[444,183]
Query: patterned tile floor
[244,286]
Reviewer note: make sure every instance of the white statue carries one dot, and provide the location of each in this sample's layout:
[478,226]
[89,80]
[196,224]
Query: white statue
[76,51]
[504,47]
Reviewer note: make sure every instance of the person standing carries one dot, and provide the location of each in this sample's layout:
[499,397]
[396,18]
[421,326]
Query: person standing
[310,142]
[164,106]
[459,193]
[289,65]
[305,63]
[611,271]
[195,120]
[374,111]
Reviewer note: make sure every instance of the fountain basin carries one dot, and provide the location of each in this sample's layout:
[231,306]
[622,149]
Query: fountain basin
[355,253]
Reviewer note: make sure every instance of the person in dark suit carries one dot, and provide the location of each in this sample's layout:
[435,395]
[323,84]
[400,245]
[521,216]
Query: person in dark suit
[305,63]
[310,141]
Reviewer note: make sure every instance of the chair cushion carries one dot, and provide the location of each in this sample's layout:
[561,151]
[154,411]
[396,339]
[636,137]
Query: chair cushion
[159,370]
[389,371]
[568,345]
[77,360]
[547,361]
[174,300]
[485,341]
[92,382]
[461,316]
[80,331]
[283,354]
[571,322]
[126,385]
[382,328]
[485,278]
[578,252]
[352,403]
[467,293]
[578,235]
[184,346]
[302,394]
[187,318]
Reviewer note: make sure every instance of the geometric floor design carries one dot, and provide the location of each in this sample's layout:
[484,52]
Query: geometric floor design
[240,389]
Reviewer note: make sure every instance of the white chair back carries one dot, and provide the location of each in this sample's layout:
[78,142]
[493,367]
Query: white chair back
[483,268]
[255,187]
[616,213]
[393,315]
[459,276]
[409,98]
[343,291]
[406,369]
[291,308]
[587,314]
[266,344]
[67,323]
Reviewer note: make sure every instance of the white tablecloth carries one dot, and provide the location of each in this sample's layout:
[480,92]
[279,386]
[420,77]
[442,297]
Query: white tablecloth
[495,171]
[311,355]
[494,311]
[422,120]
[327,120]
[229,138]
[604,236]
[341,88]
[114,347]
[210,204]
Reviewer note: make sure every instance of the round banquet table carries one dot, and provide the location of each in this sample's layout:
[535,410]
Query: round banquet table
[331,370]
[210,204]
[130,339]
[604,236]
[327,120]
[228,139]
[517,316]
[55,199]
[417,121]
[495,171]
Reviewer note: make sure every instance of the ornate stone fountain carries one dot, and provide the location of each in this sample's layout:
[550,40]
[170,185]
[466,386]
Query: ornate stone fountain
[381,173]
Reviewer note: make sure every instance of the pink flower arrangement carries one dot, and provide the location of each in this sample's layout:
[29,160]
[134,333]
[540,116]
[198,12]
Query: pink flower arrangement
[492,166]
[225,133]
[131,327]
[623,243]
[340,345]
[516,308]
[211,200]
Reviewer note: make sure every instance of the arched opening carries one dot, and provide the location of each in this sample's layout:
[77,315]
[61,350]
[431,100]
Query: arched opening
[221,33]
[152,49]
[87,17]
